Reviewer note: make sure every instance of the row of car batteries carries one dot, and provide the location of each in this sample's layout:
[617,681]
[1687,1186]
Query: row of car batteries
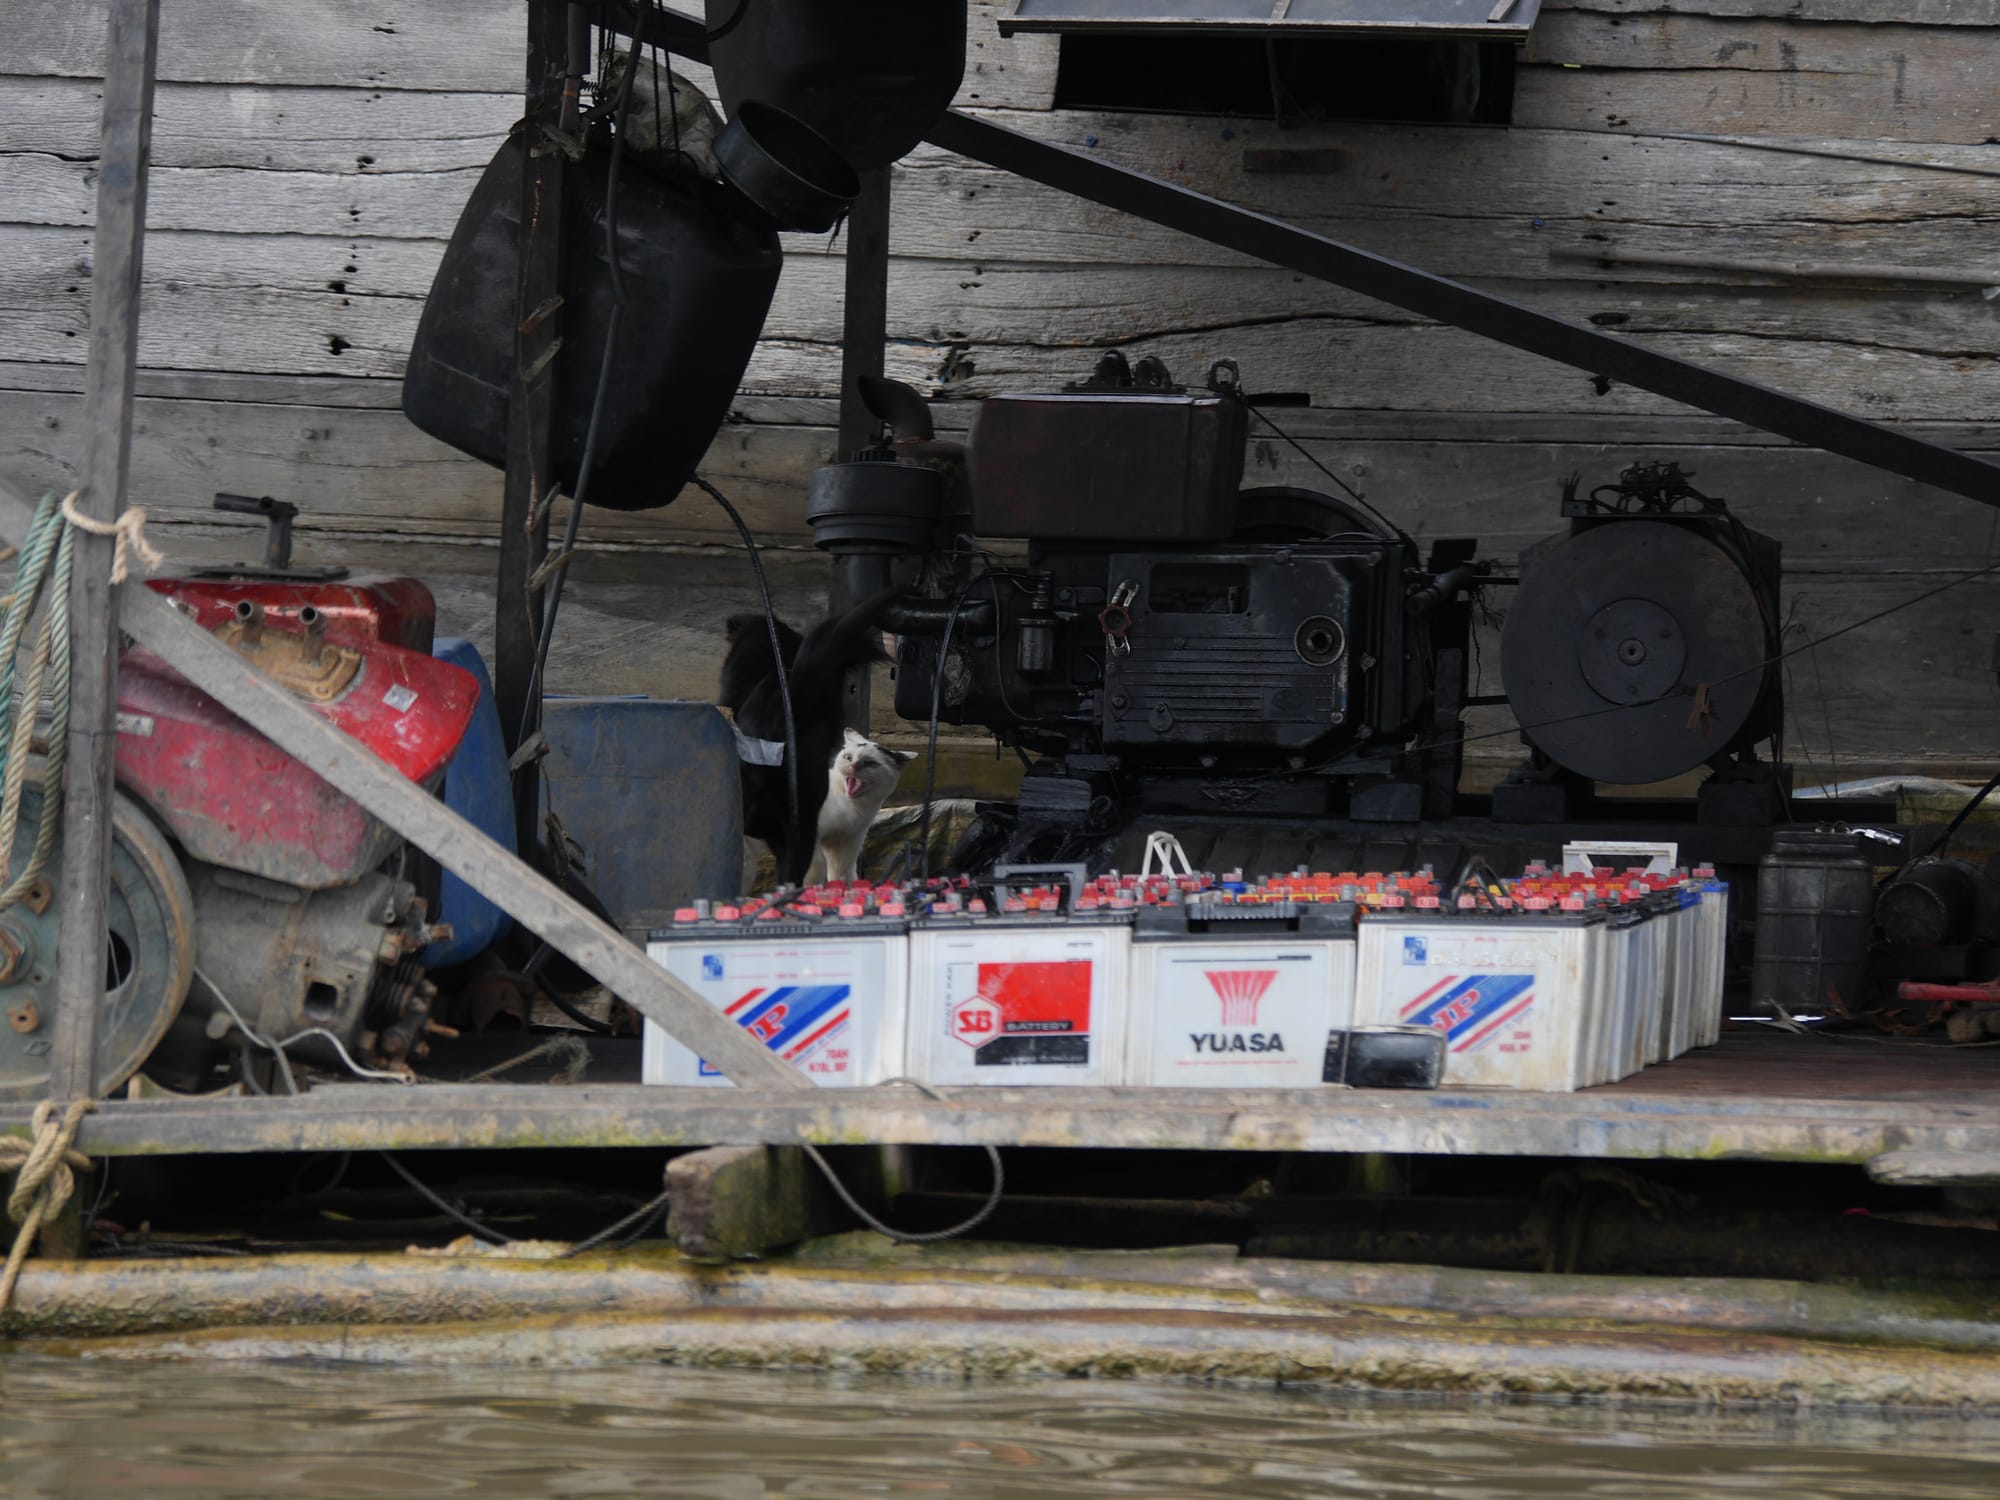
[1539,982]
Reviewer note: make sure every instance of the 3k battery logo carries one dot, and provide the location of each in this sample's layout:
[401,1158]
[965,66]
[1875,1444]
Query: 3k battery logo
[1471,1009]
[796,1021]
[1240,990]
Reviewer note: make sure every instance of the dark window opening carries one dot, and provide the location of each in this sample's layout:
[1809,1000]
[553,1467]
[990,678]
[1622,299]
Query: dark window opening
[1291,79]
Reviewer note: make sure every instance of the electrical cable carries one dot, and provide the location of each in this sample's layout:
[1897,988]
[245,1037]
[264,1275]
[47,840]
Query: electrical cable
[777,649]
[531,707]
[636,1221]
[902,1236]
[1958,819]
[450,1210]
[1352,493]
[937,709]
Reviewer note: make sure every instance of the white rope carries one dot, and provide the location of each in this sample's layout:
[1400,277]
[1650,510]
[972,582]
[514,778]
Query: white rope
[129,528]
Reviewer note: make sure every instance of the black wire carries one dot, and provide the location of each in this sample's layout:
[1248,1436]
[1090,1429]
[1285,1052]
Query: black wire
[636,1221]
[777,650]
[735,20]
[490,1235]
[582,1018]
[1352,493]
[531,708]
[937,707]
[1971,807]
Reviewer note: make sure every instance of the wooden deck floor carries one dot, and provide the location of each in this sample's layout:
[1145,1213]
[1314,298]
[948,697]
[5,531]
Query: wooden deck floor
[1759,1095]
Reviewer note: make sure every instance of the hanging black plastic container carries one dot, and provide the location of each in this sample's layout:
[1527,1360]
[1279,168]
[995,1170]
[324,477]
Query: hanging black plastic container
[869,75]
[1815,899]
[699,262]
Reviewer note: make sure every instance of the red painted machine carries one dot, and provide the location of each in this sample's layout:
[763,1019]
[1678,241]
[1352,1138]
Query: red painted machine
[245,891]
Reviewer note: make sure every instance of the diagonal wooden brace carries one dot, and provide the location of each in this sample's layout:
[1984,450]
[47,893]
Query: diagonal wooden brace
[564,923]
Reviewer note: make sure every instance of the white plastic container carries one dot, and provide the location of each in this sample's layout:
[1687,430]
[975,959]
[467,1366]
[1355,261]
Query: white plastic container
[1508,989]
[828,996]
[1238,996]
[1007,1000]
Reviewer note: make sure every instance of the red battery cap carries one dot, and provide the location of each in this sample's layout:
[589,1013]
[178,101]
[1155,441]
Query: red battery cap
[892,909]
[852,909]
[727,913]
[686,914]
[1467,903]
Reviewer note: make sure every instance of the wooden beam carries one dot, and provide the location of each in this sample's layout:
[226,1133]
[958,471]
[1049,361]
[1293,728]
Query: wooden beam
[564,923]
[117,248]
[1839,1125]
[524,523]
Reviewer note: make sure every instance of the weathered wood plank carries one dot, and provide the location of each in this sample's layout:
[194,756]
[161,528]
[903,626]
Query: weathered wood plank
[1692,429]
[365,44]
[370,469]
[1005,72]
[1904,12]
[363,471]
[972,330]
[340,130]
[1762,77]
[1507,196]
[1641,1119]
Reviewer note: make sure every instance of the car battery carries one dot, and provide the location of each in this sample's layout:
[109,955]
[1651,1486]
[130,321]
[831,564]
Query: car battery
[1712,957]
[1510,989]
[1019,990]
[1229,994]
[827,992]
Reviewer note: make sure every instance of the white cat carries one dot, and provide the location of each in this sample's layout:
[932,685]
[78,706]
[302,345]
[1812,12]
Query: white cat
[862,775]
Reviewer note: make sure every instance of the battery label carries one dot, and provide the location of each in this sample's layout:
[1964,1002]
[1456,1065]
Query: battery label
[1022,1013]
[805,1024]
[1476,1009]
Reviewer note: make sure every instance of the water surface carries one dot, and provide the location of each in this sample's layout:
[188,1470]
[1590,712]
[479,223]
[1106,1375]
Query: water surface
[77,1429]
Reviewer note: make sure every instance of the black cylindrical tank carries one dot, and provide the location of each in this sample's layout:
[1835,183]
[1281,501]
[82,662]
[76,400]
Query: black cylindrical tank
[698,275]
[1815,898]
[869,75]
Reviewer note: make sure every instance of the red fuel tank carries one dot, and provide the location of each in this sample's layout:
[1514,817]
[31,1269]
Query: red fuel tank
[232,798]
[374,607]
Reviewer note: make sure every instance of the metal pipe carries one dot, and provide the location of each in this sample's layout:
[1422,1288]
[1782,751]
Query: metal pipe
[1497,318]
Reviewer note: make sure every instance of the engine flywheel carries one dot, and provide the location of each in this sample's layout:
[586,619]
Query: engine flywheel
[1614,633]
[148,960]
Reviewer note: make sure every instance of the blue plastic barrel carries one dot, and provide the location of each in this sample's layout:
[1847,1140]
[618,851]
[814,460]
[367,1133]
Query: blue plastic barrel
[650,789]
[476,788]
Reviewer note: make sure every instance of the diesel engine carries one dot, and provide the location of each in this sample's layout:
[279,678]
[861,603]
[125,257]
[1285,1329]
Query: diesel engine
[1087,578]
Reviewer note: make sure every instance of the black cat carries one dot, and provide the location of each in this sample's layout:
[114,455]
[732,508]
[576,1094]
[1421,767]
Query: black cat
[815,665]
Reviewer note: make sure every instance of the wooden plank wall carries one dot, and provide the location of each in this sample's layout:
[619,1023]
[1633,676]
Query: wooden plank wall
[311,160]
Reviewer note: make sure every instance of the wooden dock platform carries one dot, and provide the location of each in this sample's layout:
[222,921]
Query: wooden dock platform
[1901,1108]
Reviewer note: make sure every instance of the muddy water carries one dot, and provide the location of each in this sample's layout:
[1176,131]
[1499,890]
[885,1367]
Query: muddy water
[75,1429]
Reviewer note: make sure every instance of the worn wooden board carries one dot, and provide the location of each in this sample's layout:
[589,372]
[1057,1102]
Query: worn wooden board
[1764,77]
[361,44]
[1746,1099]
[296,129]
[411,45]
[1903,12]
[1521,189]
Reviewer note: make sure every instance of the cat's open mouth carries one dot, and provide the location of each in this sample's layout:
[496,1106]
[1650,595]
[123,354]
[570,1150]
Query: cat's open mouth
[853,785]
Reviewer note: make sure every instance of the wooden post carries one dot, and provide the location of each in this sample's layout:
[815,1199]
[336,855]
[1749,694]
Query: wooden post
[524,521]
[864,332]
[124,148]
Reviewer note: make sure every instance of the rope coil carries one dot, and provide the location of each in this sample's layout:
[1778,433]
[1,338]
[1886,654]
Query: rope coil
[44,1180]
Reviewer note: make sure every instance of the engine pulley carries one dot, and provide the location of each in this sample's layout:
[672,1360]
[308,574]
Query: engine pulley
[149,952]
[1634,649]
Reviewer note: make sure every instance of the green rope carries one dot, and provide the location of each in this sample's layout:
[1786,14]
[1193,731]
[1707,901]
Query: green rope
[43,578]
